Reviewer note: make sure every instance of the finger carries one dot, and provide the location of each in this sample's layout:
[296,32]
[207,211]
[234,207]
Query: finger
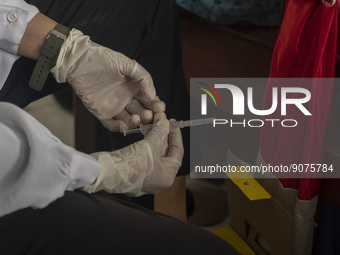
[146,117]
[159,116]
[147,95]
[115,125]
[132,121]
[135,107]
[139,74]
[158,134]
[152,103]
[147,91]
[155,105]
[176,149]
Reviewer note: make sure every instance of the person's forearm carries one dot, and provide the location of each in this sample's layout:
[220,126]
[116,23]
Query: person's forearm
[36,167]
[35,36]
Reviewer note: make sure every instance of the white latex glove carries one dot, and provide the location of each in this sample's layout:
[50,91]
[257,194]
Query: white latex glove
[114,88]
[141,168]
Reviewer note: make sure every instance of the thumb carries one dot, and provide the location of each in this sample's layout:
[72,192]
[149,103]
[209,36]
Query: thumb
[154,105]
[158,134]
[147,93]
[176,149]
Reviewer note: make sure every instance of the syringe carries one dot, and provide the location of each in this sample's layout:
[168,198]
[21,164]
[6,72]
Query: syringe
[176,124]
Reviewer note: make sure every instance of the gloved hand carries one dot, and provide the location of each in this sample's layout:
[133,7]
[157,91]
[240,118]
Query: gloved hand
[141,168]
[114,88]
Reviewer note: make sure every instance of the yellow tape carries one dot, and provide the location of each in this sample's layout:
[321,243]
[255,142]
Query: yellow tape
[231,237]
[249,186]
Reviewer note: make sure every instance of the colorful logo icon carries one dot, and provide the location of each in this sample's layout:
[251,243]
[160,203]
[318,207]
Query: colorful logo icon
[204,96]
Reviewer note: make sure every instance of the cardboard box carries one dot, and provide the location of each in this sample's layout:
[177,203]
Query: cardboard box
[265,224]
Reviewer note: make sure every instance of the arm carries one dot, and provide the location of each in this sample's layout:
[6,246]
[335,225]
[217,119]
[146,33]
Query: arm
[35,36]
[122,79]
[122,97]
[36,168]
[14,16]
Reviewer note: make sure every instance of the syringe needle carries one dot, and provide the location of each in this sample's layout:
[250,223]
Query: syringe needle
[175,124]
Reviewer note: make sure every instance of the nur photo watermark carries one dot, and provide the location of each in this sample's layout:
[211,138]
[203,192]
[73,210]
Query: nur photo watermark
[265,127]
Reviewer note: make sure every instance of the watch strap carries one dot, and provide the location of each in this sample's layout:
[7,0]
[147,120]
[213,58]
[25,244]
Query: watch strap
[48,55]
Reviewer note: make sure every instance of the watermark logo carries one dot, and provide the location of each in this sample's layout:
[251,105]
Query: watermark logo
[204,97]
[244,113]
[239,100]
[281,98]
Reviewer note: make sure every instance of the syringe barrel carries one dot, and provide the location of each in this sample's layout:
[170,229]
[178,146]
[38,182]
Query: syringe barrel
[174,124]
[177,124]
[199,122]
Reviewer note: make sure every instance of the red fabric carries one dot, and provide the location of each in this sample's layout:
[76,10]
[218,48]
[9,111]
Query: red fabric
[306,47]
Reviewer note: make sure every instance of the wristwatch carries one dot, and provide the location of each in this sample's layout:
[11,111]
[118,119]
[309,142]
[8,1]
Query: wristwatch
[48,55]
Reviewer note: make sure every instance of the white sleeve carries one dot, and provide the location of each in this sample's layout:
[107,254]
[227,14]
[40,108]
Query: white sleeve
[14,16]
[36,168]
